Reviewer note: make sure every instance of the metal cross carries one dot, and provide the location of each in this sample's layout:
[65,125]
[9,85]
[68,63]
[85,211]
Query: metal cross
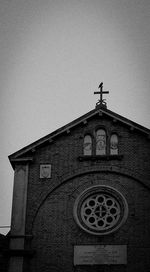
[101,100]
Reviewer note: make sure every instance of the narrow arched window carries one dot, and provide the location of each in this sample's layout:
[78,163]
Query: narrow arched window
[100,142]
[114,144]
[87,147]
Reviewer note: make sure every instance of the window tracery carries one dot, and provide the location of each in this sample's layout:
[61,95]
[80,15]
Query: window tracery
[100,210]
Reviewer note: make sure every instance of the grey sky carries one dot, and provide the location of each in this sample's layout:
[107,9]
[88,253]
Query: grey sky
[54,54]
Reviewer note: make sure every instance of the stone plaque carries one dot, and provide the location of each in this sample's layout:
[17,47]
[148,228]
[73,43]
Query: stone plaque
[45,171]
[100,254]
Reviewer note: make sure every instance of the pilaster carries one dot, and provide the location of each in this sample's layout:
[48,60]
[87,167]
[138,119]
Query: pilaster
[17,237]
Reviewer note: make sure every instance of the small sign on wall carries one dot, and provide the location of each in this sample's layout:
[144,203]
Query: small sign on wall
[45,171]
[100,254]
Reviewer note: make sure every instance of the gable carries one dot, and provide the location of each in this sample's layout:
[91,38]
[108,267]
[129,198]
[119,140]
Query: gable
[100,112]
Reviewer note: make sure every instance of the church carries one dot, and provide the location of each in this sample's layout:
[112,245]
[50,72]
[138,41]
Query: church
[81,197]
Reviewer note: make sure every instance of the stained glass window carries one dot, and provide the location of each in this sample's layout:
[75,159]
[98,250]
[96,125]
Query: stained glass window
[87,149]
[114,144]
[100,142]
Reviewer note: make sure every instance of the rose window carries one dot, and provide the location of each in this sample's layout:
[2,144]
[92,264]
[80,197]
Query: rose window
[100,210]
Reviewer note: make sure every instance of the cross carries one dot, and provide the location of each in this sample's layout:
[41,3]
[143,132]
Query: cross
[101,100]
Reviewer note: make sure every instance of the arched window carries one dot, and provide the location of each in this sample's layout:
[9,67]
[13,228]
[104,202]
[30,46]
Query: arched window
[114,144]
[87,147]
[100,142]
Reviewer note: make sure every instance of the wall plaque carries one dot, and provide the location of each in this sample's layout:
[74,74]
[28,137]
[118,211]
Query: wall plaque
[100,254]
[45,171]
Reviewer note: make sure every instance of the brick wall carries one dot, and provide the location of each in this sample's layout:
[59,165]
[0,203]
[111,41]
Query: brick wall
[50,201]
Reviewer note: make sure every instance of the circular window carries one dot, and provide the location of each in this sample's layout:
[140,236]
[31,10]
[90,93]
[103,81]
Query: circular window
[100,210]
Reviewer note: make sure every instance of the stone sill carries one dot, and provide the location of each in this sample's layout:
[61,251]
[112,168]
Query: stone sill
[100,158]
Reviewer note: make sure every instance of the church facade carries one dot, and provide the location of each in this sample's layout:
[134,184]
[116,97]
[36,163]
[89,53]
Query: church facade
[81,198]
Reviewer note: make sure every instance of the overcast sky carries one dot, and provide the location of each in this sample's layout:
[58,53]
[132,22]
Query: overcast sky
[53,55]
